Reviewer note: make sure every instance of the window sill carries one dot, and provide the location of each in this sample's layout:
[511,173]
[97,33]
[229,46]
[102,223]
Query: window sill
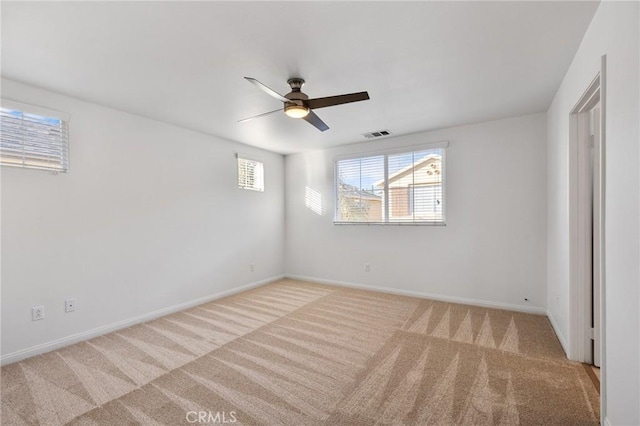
[392,223]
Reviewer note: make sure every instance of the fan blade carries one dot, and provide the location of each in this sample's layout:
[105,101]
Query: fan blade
[316,121]
[259,115]
[267,90]
[336,100]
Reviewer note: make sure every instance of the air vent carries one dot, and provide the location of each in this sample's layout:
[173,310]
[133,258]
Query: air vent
[377,134]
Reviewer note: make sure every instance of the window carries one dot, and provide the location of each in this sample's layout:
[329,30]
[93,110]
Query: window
[399,187]
[250,174]
[34,138]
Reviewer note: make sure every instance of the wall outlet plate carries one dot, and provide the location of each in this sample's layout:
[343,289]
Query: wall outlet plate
[37,313]
[70,305]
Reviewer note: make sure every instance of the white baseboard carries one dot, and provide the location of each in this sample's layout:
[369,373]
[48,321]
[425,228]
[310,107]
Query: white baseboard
[607,422]
[99,331]
[443,298]
[556,329]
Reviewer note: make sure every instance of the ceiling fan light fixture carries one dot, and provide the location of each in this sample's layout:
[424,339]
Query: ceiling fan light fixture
[295,110]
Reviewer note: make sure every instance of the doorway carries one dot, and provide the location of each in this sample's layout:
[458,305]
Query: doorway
[586,193]
[586,227]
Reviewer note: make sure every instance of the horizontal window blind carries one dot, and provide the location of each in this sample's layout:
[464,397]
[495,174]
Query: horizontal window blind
[250,174]
[31,139]
[404,187]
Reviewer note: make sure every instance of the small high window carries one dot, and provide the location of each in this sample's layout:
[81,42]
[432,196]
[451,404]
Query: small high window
[34,138]
[250,174]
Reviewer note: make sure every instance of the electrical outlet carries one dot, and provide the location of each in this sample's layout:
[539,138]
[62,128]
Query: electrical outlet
[37,313]
[367,267]
[251,267]
[70,305]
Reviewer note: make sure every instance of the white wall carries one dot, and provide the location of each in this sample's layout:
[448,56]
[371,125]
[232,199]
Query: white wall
[614,32]
[148,217]
[493,248]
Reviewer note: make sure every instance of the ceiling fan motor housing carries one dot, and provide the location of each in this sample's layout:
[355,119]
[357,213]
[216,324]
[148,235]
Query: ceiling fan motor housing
[296,94]
[296,108]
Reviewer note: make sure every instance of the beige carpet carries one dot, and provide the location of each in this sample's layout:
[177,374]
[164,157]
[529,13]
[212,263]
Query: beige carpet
[295,353]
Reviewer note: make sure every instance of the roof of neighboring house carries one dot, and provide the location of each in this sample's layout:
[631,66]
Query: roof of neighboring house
[400,173]
[360,193]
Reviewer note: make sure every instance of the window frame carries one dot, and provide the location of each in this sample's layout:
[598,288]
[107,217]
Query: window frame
[240,157]
[443,145]
[30,161]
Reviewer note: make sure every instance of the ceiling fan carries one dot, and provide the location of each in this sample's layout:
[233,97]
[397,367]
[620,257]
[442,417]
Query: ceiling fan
[298,105]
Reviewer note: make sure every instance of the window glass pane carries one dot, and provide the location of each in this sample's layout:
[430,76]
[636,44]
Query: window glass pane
[360,190]
[400,182]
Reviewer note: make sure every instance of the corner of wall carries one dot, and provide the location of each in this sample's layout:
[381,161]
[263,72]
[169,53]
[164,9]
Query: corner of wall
[561,338]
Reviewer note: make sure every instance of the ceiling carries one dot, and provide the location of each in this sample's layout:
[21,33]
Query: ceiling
[426,65]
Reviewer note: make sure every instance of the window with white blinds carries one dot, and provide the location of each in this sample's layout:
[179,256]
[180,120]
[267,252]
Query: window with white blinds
[32,137]
[405,187]
[250,174]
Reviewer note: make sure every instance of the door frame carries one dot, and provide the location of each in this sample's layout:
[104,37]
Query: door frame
[580,224]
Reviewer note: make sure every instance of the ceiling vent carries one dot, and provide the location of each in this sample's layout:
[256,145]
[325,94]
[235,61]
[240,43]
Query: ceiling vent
[377,134]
